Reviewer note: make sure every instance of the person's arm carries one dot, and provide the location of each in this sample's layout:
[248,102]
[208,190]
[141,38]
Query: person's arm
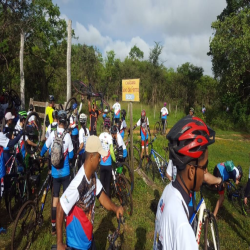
[80,148]
[109,205]
[211,179]
[59,225]
[31,143]
[14,141]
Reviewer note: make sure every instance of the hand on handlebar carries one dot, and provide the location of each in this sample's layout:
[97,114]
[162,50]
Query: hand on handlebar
[119,212]
[245,200]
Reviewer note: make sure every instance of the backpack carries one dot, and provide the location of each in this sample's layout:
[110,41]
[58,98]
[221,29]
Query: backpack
[229,165]
[57,150]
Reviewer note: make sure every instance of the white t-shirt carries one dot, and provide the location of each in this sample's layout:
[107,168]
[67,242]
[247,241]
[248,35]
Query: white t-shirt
[164,111]
[117,108]
[3,140]
[48,132]
[123,125]
[106,141]
[32,118]
[19,128]
[82,137]
[120,141]
[171,170]
[67,145]
[144,124]
[71,195]
[172,228]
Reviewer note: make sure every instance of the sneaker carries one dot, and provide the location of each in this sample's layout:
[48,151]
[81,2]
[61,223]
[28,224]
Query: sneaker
[53,230]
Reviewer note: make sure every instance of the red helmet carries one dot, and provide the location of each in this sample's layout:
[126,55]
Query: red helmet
[143,113]
[188,140]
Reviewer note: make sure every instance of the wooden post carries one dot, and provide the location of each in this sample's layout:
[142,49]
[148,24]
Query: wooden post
[22,82]
[154,113]
[69,61]
[44,126]
[131,137]
[128,107]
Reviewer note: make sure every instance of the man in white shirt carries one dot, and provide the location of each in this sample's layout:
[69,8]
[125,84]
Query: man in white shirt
[117,110]
[164,115]
[190,156]
[78,201]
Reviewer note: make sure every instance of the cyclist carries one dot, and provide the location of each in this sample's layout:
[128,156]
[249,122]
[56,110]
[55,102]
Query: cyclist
[93,113]
[74,127]
[61,177]
[191,111]
[247,190]
[203,110]
[78,201]
[83,136]
[49,110]
[19,127]
[53,125]
[190,156]
[144,131]
[106,162]
[164,115]
[8,131]
[121,147]
[226,170]
[117,109]
[123,123]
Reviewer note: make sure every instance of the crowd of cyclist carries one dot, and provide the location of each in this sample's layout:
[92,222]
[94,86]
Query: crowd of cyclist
[188,146]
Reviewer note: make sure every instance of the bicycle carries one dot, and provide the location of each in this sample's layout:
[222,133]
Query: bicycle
[85,90]
[158,127]
[126,170]
[112,238]
[159,164]
[136,155]
[122,190]
[236,196]
[31,215]
[207,220]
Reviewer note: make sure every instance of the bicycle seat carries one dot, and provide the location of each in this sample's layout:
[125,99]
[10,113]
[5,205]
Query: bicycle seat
[35,178]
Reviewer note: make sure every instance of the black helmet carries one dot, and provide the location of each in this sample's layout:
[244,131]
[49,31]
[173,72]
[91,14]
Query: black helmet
[62,116]
[55,114]
[123,112]
[114,129]
[188,139]
[240,171]
[51,98]
[22,114]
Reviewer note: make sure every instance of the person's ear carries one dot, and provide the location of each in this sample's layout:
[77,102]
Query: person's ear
[191,172]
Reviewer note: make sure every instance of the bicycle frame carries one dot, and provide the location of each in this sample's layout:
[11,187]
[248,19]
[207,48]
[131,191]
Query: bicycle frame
[158,163]
[201,207]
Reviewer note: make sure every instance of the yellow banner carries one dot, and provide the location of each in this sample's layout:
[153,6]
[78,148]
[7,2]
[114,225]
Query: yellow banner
[130,90]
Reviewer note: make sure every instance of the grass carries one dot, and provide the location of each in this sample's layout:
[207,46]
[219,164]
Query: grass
[138,234]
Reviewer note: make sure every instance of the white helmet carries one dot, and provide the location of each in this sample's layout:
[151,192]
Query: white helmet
[83,118]
[105,110]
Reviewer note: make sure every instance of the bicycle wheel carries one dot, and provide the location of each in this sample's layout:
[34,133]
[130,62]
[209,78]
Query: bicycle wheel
[24,227]
[211,233]
[128,173]
[33,131]
[124,194]
[69,104]
[81,87]
[157,127]
[18,194]
[136,158]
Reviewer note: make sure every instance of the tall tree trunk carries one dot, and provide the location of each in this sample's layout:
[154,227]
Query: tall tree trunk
[22,82]
[69,61]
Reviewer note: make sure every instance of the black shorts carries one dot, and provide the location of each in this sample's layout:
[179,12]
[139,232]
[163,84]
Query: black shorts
[57,182]
[92,132]
[117,120]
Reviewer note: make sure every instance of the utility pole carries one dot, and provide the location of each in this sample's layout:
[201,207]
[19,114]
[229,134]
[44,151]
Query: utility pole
[69,60]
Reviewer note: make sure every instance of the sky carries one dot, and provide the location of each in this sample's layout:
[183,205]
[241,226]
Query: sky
[183,27]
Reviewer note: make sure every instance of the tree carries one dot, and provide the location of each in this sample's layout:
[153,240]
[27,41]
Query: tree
[135,53]
[155,53]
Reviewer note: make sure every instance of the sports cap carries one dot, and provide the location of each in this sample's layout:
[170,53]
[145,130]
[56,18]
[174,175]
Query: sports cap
[93,145]
[9,116]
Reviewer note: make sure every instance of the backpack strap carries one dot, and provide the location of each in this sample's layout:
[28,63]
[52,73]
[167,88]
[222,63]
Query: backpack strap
[64,133]
[55,132]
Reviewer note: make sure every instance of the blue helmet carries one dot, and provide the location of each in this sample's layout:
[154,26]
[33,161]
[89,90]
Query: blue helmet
[74,106]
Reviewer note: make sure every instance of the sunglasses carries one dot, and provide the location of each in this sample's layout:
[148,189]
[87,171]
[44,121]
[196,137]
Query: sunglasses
[204,167]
